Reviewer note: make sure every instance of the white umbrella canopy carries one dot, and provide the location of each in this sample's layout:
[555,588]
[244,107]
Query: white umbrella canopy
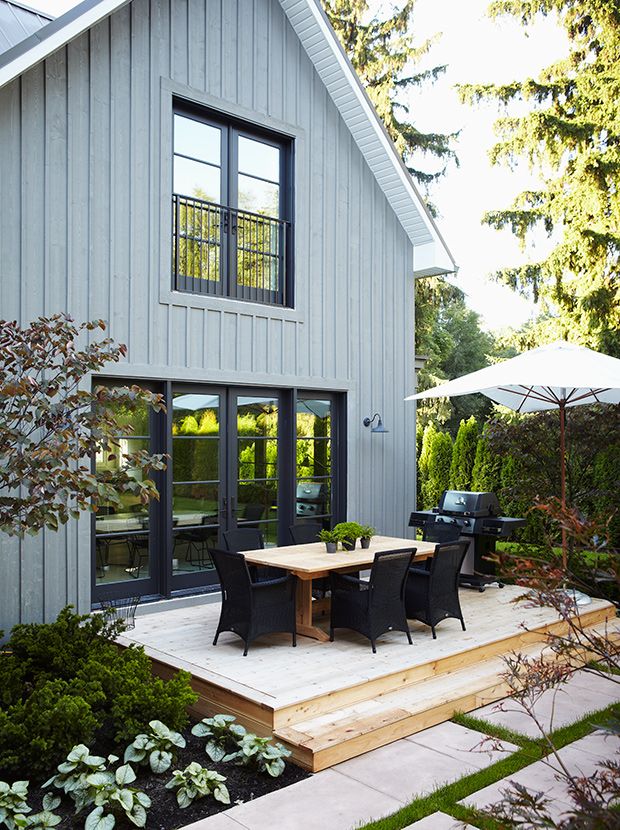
[558,375]
[541,379]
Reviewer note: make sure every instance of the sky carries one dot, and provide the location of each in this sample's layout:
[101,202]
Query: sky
[476,50]
[479,50]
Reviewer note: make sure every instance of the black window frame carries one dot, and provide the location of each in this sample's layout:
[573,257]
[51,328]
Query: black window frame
[227,217]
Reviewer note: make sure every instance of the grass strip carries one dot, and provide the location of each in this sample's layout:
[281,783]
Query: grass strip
[603,667]
[445,798]
[495,730]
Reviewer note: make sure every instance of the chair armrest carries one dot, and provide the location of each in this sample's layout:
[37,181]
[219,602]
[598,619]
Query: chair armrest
[419,572]
[271,583]
[347,582]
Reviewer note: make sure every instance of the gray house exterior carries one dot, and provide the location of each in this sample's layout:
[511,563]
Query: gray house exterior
[294,334]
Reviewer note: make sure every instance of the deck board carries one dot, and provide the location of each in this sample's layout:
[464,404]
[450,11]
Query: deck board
[311,690]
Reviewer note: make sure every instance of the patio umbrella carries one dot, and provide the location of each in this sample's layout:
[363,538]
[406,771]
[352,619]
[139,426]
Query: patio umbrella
[558,375]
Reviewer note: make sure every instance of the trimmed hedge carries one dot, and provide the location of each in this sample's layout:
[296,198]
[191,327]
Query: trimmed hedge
[464,455]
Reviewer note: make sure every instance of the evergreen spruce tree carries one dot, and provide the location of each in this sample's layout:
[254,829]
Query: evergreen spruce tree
[570,135]
[384,54]
[464,455]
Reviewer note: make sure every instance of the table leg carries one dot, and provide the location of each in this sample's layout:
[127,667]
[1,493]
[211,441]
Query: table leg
[304,612]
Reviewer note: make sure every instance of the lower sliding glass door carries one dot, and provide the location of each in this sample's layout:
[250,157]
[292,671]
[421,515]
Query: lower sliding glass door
[199,484]
[237,457]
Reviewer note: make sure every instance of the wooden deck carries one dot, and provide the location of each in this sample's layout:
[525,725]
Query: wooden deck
[333,701]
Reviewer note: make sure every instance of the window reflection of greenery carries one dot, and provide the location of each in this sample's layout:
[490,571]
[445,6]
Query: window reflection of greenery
[134,429]
[313,452]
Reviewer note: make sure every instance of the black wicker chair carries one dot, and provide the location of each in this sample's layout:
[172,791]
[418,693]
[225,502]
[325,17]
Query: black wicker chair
[249,538]
[440,532]
[243,538]
[251,609]
[196,541]
[305,534]
[374,607]
[432,596]
[437,532]
[252,514]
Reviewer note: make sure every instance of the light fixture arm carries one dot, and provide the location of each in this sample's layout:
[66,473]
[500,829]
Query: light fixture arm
[379,428]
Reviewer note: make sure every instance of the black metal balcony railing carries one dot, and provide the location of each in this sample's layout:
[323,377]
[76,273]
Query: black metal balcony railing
[229,252]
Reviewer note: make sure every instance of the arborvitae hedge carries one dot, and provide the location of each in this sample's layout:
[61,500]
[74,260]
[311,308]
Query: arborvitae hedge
[464,455]
[438,477]
[486,474]
[428,437]
[517,458]
[419,435]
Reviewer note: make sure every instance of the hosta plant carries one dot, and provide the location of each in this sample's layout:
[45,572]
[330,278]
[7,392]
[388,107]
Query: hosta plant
[46,819]
[222,733]
[156,748]
[261,754]
[14,808]
[196,782]
[113,795]
[74,773]
[13,803]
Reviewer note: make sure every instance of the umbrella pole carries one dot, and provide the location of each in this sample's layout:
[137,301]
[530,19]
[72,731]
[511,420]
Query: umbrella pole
[563,484]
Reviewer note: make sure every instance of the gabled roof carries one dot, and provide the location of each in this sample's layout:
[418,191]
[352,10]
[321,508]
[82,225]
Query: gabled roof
[17,22]
[431,255]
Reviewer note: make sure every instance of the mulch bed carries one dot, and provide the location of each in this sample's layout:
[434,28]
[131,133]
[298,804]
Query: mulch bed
[165,814]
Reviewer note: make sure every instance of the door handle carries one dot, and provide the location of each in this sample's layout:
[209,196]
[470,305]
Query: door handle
[223,510]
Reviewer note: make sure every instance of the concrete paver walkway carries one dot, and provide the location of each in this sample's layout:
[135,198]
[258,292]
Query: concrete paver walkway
[582,693]
[543,775]
[384,780]
[439,821]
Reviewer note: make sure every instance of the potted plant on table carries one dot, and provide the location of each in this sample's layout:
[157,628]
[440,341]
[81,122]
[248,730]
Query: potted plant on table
[348,533]
[331,539]
[366,534]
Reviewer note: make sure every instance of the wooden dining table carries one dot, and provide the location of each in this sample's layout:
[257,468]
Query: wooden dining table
[311,561]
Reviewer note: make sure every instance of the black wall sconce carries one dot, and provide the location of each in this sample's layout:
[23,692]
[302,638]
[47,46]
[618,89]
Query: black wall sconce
[379,428]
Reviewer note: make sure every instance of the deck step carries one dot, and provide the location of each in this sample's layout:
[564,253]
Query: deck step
[321,742]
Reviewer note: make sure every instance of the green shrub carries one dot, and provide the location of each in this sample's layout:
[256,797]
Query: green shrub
[35,733]
[486,473]
[428,437]
[142,698]
[73,680]
[438,475]
[605,475]
[464,455]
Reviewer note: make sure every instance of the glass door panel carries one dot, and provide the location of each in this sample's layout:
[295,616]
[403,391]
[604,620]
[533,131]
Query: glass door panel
[196,481]
[314,461]
[256,463]
[122,537]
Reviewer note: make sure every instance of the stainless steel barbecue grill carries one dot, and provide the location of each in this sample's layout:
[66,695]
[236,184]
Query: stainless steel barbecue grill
[475,516]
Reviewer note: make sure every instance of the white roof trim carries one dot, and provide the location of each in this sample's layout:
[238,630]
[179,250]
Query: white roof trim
[53,36]
[328,57]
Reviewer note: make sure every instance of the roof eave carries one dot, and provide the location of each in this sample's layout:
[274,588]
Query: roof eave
[55,34]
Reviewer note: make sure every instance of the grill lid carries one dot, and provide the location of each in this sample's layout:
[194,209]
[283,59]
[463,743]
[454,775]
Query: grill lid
[463,503]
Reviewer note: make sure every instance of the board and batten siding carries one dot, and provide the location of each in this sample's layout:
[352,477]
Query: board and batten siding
[85,178]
